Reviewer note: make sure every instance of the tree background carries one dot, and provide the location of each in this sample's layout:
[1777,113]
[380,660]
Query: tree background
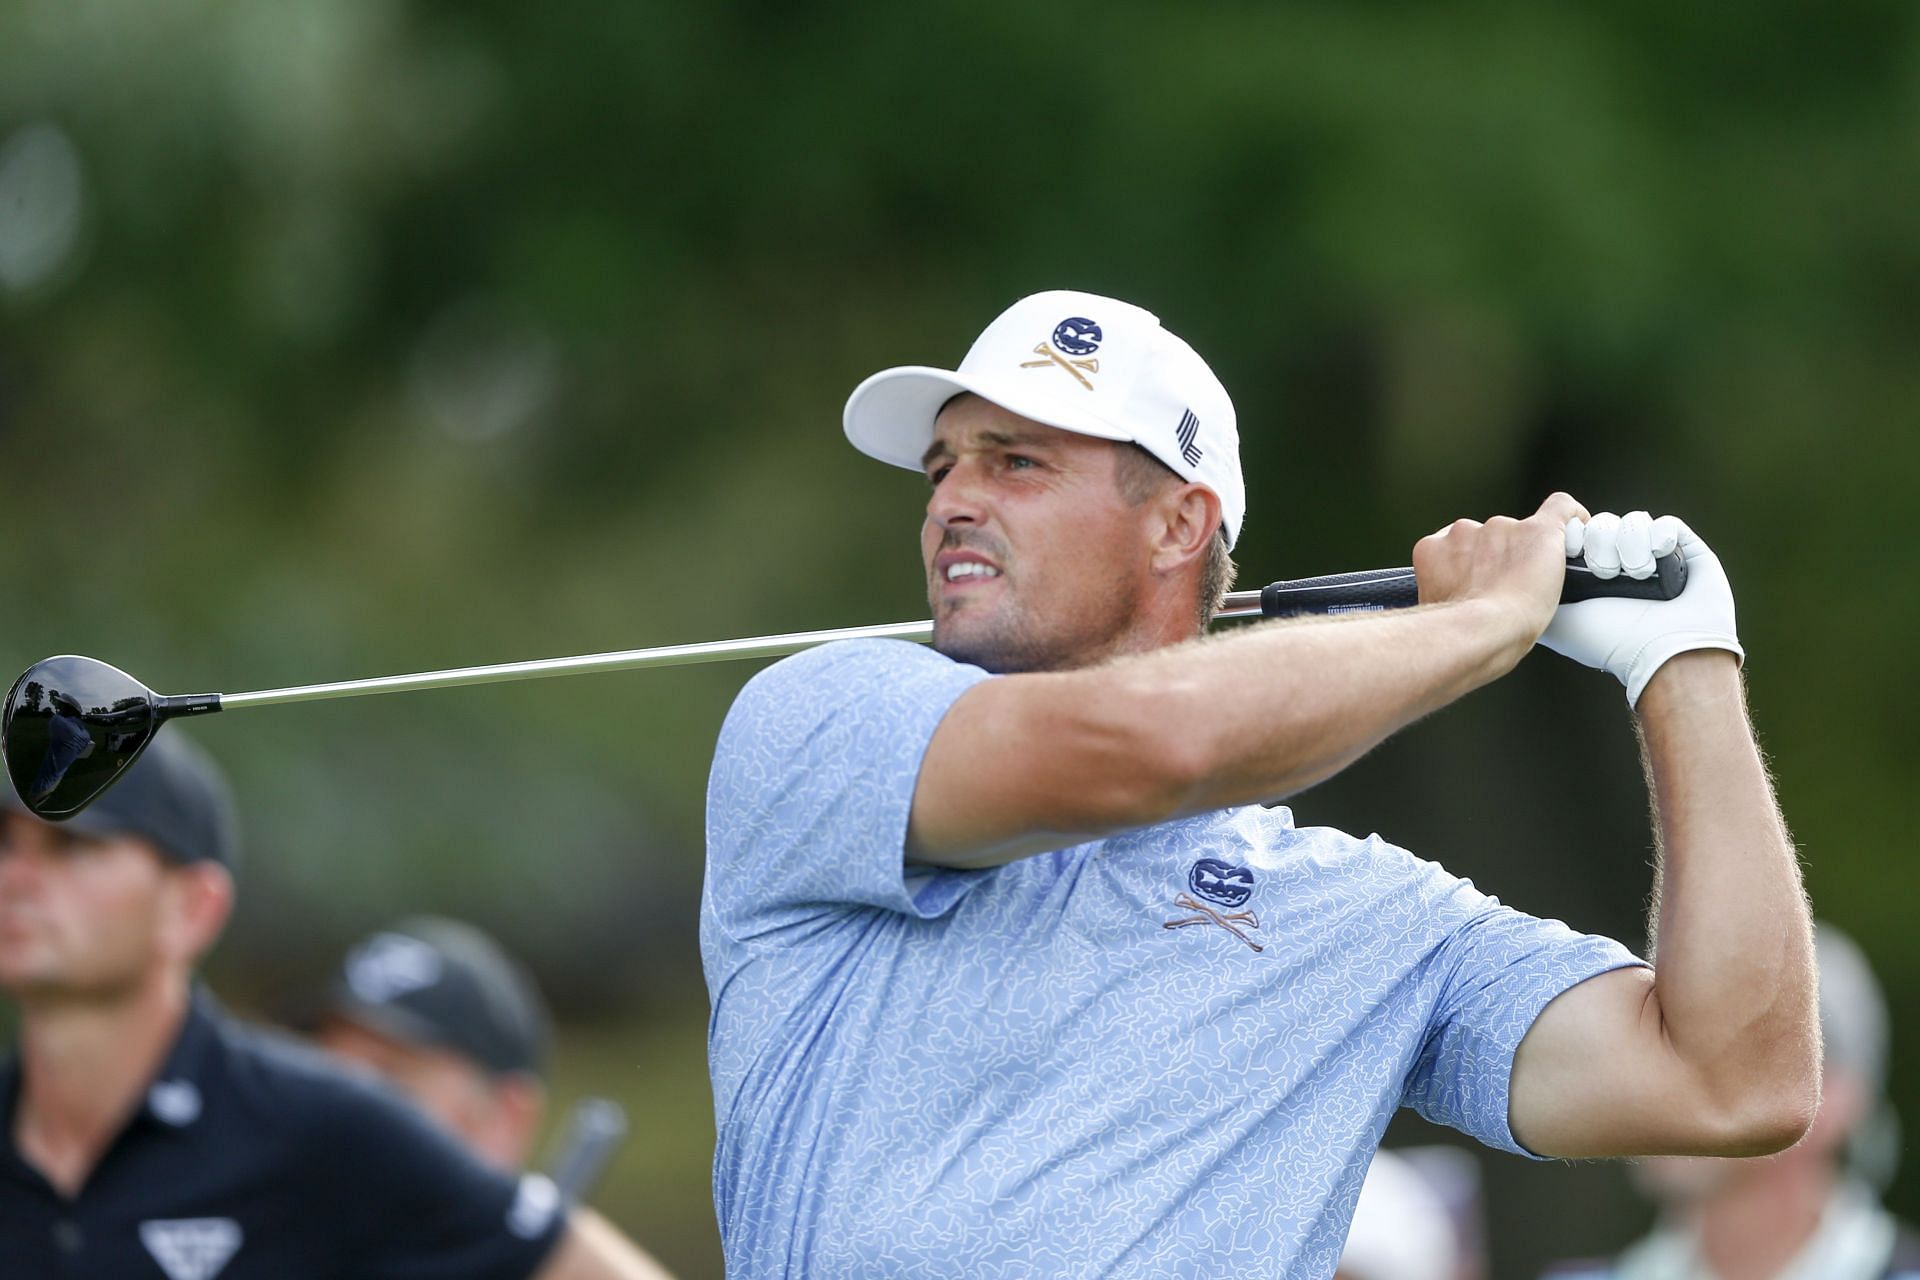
[344,337]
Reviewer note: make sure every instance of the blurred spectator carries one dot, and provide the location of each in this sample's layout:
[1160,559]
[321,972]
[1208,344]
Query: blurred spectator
[1811,1212]
[442,1012]
[146,1129]
[1401,1227]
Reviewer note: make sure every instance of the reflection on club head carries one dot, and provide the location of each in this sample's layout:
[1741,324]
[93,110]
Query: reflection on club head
[71,726]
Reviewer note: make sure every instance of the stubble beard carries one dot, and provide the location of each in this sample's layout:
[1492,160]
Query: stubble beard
[1000,636]
[1003,649]
[1007,637]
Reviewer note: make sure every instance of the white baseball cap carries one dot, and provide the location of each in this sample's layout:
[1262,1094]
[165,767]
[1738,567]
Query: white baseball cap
[1079,362]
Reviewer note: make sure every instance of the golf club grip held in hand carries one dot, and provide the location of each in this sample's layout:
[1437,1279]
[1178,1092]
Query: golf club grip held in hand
[1368,590]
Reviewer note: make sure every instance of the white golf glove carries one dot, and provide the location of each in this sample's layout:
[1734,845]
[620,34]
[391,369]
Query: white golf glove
[1632,638]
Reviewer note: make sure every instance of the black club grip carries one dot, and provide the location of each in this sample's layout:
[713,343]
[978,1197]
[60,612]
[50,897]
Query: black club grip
[1372,589]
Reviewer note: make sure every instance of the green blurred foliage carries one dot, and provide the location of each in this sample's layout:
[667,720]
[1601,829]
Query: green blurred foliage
[400,335]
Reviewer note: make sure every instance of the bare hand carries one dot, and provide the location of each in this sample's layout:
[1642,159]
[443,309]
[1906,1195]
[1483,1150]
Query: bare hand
[1516,566]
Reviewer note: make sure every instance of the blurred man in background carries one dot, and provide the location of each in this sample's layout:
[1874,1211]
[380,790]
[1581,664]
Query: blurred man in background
[1812,1212]
[441,1012]
[438,1009]
[145,1127]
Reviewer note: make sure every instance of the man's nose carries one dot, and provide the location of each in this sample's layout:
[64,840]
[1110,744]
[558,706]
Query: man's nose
[959,498]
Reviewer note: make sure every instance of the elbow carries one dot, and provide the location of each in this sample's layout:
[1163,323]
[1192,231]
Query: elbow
[1754,1089]
[1769,1117]
[1789,1112]
[1783,1101]
[1769,1129]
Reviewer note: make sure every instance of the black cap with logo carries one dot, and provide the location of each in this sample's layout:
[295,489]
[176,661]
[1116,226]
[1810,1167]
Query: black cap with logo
[439,982]
[173,796]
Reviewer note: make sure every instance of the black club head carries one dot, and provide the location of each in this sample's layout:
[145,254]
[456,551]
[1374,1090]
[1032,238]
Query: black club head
[72,725]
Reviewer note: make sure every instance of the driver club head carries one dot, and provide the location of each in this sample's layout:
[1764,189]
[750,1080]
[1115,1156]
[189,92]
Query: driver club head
[71,727]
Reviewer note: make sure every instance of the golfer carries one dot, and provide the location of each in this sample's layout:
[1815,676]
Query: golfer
[149,1134]
[1014,974]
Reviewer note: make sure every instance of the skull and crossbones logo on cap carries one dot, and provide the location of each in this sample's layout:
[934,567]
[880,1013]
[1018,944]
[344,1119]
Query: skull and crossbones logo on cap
[1075,339]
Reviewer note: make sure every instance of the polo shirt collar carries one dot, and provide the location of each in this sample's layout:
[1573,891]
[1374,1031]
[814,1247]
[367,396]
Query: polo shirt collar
[177,1094]
[173,1102]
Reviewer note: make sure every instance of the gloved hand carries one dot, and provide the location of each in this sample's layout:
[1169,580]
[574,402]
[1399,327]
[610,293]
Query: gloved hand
[1632,638]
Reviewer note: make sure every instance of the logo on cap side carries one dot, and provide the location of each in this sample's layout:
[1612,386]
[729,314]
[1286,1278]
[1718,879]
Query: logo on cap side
[390,965]
[1076,336]
[1189,428]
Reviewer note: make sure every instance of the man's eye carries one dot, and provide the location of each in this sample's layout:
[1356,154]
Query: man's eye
[1018,461]
[935,476]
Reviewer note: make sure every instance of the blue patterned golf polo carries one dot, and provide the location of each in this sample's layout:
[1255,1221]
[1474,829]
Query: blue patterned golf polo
[1171,1052]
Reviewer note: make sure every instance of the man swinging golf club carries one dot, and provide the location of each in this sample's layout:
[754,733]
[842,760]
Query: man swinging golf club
[1012,972]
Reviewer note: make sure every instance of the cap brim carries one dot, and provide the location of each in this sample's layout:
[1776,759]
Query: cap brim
[890,415]
[97,819]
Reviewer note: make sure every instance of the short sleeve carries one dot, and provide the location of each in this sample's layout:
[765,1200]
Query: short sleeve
[1497,971]
[426,1208]
[813,782]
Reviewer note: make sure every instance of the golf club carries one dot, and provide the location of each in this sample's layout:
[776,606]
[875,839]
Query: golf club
[594,1130]
[72,725]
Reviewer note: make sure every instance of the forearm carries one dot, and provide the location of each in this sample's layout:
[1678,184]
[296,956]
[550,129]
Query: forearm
[1731,933]
[1037,762]
[593,1249]
[1279,708]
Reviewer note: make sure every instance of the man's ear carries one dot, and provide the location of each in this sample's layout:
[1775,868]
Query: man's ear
[200,902]
[1186,518]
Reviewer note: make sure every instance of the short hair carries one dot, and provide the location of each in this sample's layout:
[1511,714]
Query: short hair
[1139,475]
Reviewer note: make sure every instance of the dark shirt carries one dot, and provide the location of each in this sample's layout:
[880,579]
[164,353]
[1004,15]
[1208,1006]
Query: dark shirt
[252,1157]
